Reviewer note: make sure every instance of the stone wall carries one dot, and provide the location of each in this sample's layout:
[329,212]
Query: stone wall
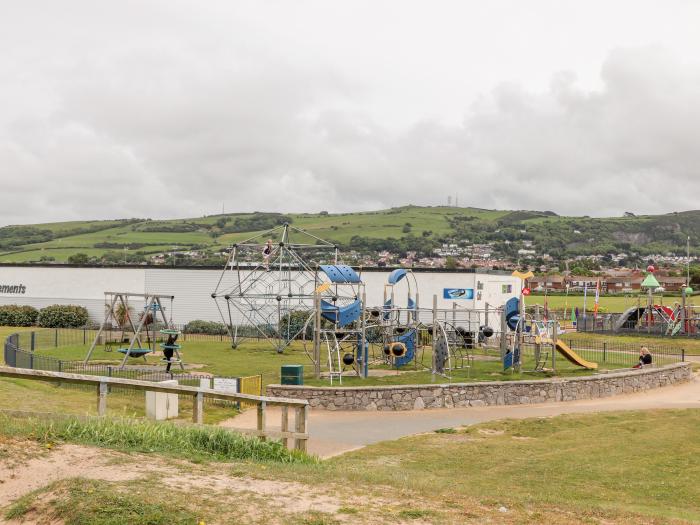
[410,397]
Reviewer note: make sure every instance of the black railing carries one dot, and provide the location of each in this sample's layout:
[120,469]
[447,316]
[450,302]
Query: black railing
[639,323]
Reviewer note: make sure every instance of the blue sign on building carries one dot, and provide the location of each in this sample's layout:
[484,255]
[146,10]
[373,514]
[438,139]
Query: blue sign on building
[457,293]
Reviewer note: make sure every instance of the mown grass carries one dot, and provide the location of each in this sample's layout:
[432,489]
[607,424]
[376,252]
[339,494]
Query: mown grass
[189,442]
[640,462]
[259,358]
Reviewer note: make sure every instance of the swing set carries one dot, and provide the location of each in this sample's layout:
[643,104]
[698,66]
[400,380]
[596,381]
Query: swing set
[117,309]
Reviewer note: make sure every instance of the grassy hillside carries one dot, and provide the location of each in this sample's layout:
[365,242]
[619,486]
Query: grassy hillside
[398,229]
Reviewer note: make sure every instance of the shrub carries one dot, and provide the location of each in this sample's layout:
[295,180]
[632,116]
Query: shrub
[63,316]
[205,327]
[15,315]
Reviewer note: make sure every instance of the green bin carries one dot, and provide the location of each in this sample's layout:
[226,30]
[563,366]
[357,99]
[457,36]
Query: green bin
[292,374]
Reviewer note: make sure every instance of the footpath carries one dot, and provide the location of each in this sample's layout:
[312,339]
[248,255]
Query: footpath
[336,432]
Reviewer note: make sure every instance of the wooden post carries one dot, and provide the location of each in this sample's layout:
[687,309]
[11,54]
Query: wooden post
[198,408]
[300,427]
[102,399]
[284,427]
[261,419]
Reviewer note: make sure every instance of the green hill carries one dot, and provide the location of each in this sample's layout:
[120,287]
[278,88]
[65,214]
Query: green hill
[413,228]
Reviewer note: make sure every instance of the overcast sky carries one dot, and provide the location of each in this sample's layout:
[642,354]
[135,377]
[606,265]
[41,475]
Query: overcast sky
[172,109]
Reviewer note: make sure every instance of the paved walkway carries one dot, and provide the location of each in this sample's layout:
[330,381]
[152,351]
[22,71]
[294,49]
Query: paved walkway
[336,432]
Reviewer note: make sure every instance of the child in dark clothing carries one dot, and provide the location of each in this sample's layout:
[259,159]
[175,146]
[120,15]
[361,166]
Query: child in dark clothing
[644,358]
[169,351]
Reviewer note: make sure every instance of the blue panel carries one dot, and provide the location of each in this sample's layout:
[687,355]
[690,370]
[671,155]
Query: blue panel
[341,273]
[409,340]
[333,274]
[343,316]
[507,360]
[512,312]
[397,275]
[454,294]
[350,275]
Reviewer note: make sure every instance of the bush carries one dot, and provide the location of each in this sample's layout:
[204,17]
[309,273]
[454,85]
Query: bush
[205,327]
[15,315]
[63,316]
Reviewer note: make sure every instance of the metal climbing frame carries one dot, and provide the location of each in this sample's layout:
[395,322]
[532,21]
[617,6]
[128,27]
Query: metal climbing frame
[273,293]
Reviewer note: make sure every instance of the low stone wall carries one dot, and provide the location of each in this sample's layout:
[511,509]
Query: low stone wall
[416,397]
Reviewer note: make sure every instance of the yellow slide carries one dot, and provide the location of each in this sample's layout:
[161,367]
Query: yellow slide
[573,357]
[570,355]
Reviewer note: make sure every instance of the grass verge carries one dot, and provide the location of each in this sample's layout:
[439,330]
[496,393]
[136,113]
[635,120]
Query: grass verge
[189,442]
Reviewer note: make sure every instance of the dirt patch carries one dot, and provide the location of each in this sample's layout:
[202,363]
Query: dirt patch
[289,497]
[490,432]
[33,467]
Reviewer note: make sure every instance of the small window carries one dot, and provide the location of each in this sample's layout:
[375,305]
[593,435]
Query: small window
[507,288]
[479,285]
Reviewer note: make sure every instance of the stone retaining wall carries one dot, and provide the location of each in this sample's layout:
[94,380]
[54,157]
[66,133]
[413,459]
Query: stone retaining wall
[410,397]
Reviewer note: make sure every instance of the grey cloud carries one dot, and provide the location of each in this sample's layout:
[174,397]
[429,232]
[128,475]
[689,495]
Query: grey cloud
[159,132]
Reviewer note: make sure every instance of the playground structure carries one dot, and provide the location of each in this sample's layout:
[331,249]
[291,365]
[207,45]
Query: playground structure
[272,282]
[132,336]
[287,285]
[649,315]
[543,334]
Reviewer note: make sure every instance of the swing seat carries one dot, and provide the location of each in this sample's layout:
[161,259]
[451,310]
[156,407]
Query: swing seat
[170,347]
[135,352]
[169,331]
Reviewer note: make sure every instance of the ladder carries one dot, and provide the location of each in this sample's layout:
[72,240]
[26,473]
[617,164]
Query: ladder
[335,369]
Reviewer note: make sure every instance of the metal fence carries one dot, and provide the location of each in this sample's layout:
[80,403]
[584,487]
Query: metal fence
[17,353]
[623,354]
[621,323]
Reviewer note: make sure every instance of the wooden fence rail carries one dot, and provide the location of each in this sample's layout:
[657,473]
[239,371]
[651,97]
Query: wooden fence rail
[301,407]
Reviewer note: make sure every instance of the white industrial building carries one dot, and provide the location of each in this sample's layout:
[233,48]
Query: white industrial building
[41,286]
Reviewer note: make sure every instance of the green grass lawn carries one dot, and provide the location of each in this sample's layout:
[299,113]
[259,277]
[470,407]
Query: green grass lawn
[642,462]
[259,358]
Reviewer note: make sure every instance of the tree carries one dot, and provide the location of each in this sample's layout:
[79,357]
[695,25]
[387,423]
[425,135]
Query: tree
[79,258]
[451,263]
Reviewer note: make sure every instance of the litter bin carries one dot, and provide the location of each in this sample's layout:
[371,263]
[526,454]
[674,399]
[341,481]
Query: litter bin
[292,375]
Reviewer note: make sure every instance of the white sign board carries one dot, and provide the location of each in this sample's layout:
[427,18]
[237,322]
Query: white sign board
[226,384]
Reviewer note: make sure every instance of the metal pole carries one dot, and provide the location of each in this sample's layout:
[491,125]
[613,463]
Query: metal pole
[435,328]
[555,335]
[363,341]
[317,335]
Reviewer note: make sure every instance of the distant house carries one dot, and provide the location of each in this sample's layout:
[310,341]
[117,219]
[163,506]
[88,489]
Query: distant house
[622,284]
[579,283]
[548,283]
[671,284]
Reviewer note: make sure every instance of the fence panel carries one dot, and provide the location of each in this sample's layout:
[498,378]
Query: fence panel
[18,357]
